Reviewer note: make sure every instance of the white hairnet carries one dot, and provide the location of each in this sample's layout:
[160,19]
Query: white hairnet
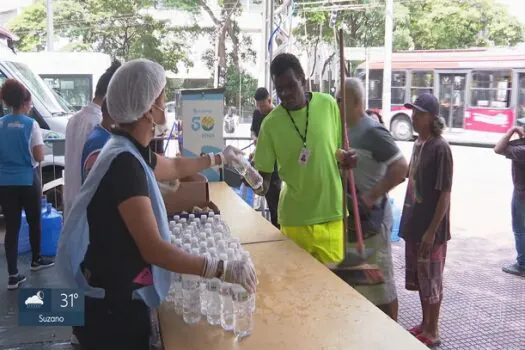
[133,89]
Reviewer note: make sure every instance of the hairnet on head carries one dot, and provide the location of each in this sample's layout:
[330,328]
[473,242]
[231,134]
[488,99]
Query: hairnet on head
[133,89]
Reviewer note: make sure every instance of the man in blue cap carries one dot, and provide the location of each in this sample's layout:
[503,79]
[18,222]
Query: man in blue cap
[425,223]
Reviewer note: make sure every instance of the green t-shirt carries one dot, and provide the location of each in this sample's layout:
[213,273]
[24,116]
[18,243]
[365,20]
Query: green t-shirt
[312,193]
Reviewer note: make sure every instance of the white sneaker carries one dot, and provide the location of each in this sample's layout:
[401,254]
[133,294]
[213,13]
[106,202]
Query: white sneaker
[74,340]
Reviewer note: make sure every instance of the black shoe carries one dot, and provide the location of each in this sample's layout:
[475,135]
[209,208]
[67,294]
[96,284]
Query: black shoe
[41,263]
[15,281]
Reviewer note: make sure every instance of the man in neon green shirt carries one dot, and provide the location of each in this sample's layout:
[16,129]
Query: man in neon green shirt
[302,135]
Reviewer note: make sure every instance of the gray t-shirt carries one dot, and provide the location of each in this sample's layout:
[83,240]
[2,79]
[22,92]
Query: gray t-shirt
[376,150]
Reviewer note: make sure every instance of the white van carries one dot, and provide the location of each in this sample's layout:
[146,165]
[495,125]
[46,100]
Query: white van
[49,110]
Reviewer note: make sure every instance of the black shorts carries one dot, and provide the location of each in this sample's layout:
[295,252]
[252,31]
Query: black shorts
[115,326]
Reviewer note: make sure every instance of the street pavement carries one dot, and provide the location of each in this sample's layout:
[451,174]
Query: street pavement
[482,307]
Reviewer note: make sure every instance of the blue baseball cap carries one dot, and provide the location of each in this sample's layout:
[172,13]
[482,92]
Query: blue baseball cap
[426,103]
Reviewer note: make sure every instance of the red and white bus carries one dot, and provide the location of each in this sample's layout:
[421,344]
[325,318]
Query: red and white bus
[481,91]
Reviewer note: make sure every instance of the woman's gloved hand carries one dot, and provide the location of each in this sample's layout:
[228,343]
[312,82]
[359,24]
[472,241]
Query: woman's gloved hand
[241,272]
[229,154]
[237,271]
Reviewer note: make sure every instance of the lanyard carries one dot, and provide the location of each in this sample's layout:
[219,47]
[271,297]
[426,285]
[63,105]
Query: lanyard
[303,138]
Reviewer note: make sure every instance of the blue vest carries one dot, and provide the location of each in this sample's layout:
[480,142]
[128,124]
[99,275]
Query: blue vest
[74,239]
[16,168]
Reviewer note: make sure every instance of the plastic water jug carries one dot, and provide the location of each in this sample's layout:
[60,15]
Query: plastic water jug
[396,213]
[51,223]
[51,227]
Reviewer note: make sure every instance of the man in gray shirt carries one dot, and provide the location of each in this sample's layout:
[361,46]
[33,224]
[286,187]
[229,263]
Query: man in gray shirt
[380,167]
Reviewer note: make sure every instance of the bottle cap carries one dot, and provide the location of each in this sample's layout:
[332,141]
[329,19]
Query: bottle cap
[178,242]
[223,257]
[176,217]
[191,216]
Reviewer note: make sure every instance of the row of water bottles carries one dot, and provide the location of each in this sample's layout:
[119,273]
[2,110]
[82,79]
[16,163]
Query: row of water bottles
[194,297]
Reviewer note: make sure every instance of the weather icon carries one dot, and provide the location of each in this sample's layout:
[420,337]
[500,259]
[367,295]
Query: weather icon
[36,300]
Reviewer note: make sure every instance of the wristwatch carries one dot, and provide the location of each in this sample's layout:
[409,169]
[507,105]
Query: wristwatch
[220,269]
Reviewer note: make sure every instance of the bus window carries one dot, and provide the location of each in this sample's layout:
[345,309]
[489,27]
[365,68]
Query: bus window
[398,88]
[491,89]
[375,89]
[421,82]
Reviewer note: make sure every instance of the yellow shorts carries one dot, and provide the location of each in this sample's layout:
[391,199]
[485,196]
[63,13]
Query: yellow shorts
[323,241]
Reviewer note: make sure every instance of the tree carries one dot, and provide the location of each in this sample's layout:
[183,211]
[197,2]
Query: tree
[225,30]
[114,27]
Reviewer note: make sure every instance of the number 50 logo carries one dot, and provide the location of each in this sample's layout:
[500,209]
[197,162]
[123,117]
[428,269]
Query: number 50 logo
[207,123]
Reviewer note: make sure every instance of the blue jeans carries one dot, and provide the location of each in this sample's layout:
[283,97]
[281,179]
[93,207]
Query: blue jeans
[518,226]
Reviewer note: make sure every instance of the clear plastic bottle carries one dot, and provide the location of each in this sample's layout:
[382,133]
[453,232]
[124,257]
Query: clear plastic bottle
[213,252]
[202,236]
[235,243]
[186,238]
[213,309]
[204,217]
[176,291]
[211,214]
[191,299]
[195,251]
[172,225]
[217,236]
[191,218]
[251,296]
[230,254]
[176,232]
[221,247]
[208,232]
[178,243]
[194,241]
[210,242]
[204,291]
[172,239]
[203,248]
[246,170]
[242,313]
[193,227]
[208,226]
[225,293]
[183,222]
[179,225]
[187,247]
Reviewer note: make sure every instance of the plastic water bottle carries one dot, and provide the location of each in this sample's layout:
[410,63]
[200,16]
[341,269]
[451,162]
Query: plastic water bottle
[176,289]
[203,248]
[178,243]
[191,299]
[221,247]
[172,225]
[187,247]
[225,293]
[202,236]
[208,231]
[246,170]
[204,217]
[251,296]
[203,291]
[194,241]
[211,214]
[179,225]
[235,243]
[186,238]
[213,309]
[193,227]
[183,222]
[210,242]
[176,232]
[242,313]
[217,236]
[213,252]
[208,226]
[230,254]
[191,218]
[195,251]
[176,218]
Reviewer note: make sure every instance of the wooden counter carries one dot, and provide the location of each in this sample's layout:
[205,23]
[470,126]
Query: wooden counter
[300,305]
[247,224]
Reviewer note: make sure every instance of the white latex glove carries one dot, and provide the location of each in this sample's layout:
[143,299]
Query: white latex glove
[230,154]
[237,272]
[241,272]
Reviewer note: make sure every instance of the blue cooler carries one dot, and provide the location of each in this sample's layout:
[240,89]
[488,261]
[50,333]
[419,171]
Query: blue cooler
[396,213]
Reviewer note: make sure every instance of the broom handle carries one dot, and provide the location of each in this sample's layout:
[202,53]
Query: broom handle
[348,174]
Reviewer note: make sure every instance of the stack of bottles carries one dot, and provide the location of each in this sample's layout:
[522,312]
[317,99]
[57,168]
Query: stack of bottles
[221,304]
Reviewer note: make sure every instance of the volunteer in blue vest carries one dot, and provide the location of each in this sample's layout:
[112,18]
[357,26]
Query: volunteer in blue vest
[21,149]
[115,242]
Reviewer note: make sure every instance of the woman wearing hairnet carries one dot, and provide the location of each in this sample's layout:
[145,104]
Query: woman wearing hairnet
[115,242]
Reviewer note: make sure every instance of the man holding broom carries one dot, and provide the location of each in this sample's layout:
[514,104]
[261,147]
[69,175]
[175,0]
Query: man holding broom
[380,167]
[302,135]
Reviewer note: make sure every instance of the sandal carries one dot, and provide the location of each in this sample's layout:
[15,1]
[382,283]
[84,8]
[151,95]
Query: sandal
[415,331]
[428,342]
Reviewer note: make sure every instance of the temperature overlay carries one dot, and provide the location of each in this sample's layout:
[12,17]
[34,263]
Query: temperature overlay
[50,307]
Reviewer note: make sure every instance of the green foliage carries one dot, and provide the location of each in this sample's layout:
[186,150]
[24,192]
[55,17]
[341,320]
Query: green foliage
[422,24]
[239,83]
[114,27]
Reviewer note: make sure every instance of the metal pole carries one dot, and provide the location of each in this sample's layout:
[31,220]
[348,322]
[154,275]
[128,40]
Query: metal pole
[269,52]
[216,67]
[387,68]
[367,78]
[321,63]
[50,34]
